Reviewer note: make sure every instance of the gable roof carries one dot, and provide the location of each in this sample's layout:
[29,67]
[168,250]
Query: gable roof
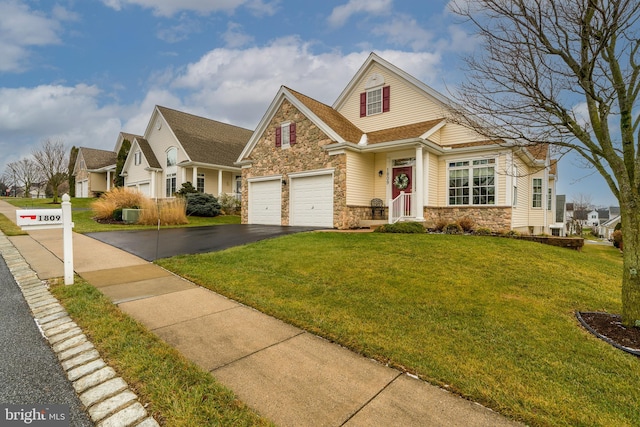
[121,137]
[95,159]
[205,140]
[147,152]
[373,58]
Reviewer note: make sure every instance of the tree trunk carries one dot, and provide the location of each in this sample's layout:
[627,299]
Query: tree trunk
[630,219]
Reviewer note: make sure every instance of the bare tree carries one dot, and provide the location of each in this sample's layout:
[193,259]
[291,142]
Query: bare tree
[23,173]
[51,157]
[582,205]
[565,72]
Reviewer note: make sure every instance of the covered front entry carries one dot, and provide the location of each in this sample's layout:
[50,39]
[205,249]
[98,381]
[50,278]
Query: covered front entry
[265,202]
[402,188]
[312,200]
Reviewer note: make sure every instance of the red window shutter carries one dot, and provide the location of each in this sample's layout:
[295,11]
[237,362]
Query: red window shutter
[278,136]
[292,133]
[385,98]
[363,104]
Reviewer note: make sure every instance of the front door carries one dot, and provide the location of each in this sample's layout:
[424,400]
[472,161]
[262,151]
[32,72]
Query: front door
[402,178]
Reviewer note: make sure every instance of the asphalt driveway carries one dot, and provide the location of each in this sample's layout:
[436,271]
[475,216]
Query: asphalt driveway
[154,244]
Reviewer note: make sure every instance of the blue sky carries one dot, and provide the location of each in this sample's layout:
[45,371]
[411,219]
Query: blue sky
[81,71]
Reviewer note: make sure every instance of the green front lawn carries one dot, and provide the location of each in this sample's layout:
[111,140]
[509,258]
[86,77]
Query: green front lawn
[83,216]
[489,318]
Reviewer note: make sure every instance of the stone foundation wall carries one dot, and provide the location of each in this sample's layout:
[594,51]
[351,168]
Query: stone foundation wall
[492,217]
[354,214]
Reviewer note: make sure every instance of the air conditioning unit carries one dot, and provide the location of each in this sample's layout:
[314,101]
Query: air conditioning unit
[130,216]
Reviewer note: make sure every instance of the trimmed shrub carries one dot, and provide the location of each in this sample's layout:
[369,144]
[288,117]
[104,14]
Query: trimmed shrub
[229,204]
[467,224]
[453,228]
[483,231]
[510,233]
[199,204]
[441,224]
[401,227]
[617,239]
[187,188]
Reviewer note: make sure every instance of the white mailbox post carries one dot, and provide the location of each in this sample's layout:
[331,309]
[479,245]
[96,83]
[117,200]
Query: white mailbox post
[42,219]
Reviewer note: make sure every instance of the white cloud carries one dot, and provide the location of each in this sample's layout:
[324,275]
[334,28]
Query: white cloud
[22,28]
[184,27]
[403,30]
[262,8]
[236,86]
[67,113]
[170,7]
[341,14]
[235,37]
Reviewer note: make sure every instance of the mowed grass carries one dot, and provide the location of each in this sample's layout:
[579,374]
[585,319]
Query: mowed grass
[492,319]
[177,392]
[84,222]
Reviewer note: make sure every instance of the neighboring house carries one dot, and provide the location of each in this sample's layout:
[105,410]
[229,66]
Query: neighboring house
[178,147]
[607,228]
[593,218]
[387,137]
[94,171]
[558,228]
[38,190]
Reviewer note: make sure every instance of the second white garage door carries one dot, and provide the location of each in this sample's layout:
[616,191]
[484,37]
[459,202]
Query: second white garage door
[312,201]
[265,202]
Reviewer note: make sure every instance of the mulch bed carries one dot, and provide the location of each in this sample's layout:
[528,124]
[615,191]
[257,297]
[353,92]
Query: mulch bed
[609,328]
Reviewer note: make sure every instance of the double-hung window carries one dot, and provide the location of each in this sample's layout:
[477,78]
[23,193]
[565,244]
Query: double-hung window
[472,182]
[537,193]
[375,101]
[137,158]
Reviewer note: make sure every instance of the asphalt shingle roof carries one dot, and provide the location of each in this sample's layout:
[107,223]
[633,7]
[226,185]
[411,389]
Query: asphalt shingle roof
[206,140]
[148,153]
[96,159]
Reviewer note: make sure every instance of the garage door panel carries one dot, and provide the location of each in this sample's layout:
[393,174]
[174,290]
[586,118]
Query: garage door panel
[312,201]
[265,202]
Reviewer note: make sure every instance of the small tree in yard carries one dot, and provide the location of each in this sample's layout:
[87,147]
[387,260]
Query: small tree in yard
[53,163]
[565,73]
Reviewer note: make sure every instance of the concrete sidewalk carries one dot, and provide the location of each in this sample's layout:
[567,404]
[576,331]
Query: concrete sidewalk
[286,374]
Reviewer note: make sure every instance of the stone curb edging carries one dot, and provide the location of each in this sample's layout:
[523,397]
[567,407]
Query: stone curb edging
[107,397]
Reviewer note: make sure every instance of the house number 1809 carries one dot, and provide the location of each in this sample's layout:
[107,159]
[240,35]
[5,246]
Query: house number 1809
[49,217]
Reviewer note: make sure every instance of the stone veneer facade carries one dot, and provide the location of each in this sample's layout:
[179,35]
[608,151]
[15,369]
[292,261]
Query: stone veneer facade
[306,154]
[492,217]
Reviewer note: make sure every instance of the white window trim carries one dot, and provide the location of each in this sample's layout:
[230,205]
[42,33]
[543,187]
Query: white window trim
[368,103]
[470,167]
[285,129]
[533,194]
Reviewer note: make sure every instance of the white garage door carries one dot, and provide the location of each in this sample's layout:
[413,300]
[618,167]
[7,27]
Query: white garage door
[144,189]
[312,201]
[265,202]
[82,189]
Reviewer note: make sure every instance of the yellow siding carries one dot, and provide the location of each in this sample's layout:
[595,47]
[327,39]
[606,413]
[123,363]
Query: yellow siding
[380,183]
[407,104]
[434,184]
[360,178]
[98,181]
[520,213]
[452,133]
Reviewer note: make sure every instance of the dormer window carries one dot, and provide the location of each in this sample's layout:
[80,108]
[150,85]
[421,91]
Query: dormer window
[137,158]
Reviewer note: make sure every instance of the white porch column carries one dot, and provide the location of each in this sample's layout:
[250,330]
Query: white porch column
[108,180]
[183,176]
[152,185]
[194,177]
[418,184]
[219,182]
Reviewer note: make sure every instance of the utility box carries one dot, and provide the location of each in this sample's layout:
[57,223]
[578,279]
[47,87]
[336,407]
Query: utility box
[131,216]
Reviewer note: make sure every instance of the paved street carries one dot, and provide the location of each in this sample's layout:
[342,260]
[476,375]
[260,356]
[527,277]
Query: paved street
[30,373]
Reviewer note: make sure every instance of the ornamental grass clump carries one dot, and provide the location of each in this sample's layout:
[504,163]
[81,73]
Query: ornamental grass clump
[112,202]
[169,212]
[453,228]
